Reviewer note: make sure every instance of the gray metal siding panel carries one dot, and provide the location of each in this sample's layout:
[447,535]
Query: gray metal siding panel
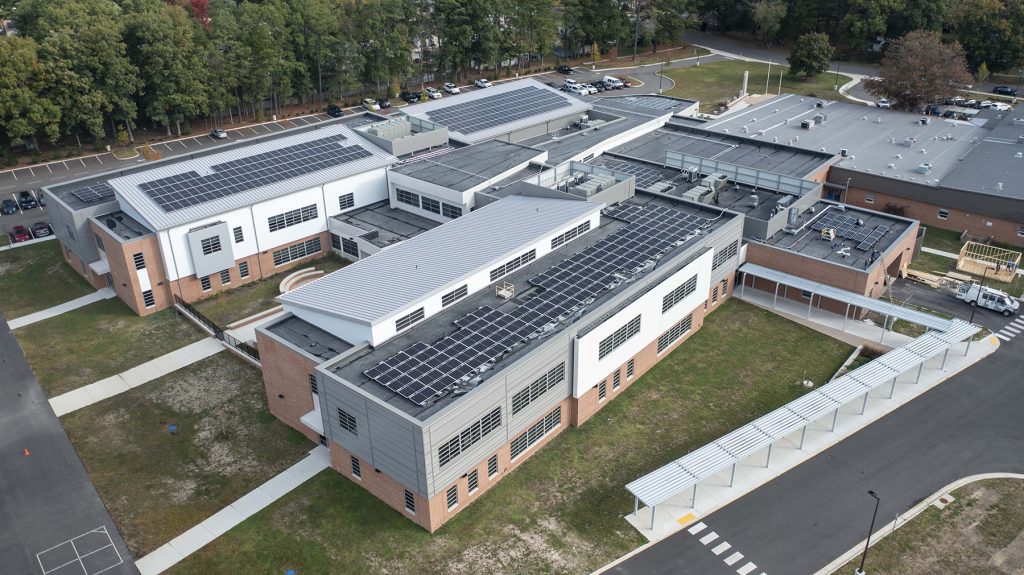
[556,351]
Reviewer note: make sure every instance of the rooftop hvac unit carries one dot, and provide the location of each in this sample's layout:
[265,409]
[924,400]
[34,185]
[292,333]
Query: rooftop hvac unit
[690,174]
[828,234]
[794,216]
[925,121]
[661,187]
[754,200]
[844,152]
[695,193]
[820,118]
[715,181]
[923,168]
[785,201]
[807,124]
[909,142]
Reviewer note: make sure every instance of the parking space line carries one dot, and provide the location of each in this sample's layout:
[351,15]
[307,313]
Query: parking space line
[183,144]
[48,168]
[31,171]
[97,159]
[197,141]
[268,129]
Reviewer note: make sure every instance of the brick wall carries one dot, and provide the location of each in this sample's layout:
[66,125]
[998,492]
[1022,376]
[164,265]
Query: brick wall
[286,379]
[98,282]
[120,257]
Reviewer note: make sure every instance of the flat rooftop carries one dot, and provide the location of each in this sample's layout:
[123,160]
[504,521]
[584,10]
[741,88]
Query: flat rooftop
[464,168]
[995,166]
[877,141]
[648,105]
[390,224]
[123,226]
[861,225]
[435,329]
[571,141]
[308,337]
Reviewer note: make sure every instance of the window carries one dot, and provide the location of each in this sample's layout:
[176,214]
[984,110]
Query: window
[560,240]
[616,379]
[1020,232]
[292,218]
[335,241]
[536,432]
[725,288]
[356,471]
[450,211]
[619,337]
[99,242]
[407,320]
[347,422]
[140,261]
[346,201]
[474,481]
[239,236]
[492,466]
[806,294]
[630,368]
[674,333]
[454,295]
[210,245]
[298,251]
[513,264]
[407,198]
[453,497]
[714,295]
[313,385]
[243,269]
[468,437]
[410,502]
[943,214]
[869,198]
[525,396]
[675,296]
[350,247]
[225,277]
[147,298]
[725,255]
[205,282]
[602,390]
[430,204]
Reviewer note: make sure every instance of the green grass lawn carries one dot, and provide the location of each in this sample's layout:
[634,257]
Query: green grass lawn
[99,340]
[158,485]
[716,82]
[941,239]
[561,511]
[979,533]
[36,277]
[232,305]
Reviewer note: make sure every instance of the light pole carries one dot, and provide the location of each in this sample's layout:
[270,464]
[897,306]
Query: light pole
[768,79]
[837,76]
[661,76]
[860,570]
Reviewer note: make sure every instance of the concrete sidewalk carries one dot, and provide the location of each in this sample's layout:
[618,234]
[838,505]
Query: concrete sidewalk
[715,493]
[99,295]
[134,377]
[194,539]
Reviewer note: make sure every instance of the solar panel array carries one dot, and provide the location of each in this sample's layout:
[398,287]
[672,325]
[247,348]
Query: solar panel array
[229,178]
[94,193]
[645,176]
[425,371]
[846,227]
[498,109]
[650,102]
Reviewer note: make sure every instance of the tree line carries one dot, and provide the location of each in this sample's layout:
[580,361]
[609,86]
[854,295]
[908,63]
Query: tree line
[91,68]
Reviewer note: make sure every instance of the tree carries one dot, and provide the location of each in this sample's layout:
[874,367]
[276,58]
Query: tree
[992,31]
[811,54]
[24,109]
[982,73]
[920,68]
[768,16]
[866,19]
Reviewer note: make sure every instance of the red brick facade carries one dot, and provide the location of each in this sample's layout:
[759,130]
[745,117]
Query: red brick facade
[286,378]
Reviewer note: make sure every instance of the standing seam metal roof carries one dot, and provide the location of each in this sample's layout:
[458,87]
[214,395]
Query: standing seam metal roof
[376,287]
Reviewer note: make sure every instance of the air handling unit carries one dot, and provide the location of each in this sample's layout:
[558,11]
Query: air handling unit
[715,181]
[700,194]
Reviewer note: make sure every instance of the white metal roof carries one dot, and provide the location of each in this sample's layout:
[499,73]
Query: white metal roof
[128,191]
[664,483]
[576,106]
[376,287]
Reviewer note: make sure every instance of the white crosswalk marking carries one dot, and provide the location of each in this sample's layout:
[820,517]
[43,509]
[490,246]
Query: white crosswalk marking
[1018,321]
[709,538]
[697,528]
[733,558]
[746,568]
[1002,337]
[1011,329]
[722,548]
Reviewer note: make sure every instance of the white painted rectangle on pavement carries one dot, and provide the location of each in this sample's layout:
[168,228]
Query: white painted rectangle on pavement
[733,558]
[721,548]
[1011,329]
[1002,337]
[746,568]
[697,528]
[709,538]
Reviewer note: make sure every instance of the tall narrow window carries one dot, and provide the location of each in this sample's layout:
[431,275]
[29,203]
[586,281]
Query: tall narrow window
[410,502]
[602,390]
[630,368]
[617,379]
[357,472]
[492,466]
[313,385]
[474,480]
[243,269]
[147,298]
[239,236]
[452,497]
[205,283]
[225,277]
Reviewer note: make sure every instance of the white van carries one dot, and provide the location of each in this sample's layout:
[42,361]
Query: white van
[993,299]
[612,83]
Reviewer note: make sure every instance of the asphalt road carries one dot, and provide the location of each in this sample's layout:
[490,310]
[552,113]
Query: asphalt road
[804,519]
[52,521]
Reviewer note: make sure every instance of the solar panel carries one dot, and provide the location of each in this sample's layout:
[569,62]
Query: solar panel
[847,227]
[94,193]
[491,111]
[423,372]
[236,176]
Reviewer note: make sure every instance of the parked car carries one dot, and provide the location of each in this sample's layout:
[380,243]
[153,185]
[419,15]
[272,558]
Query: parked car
[335,111]
[384,103]
[450,88]
[409,97]
[482,83]
[1004,91]
[8,207]
[598,85]
[218,134]
[433,93]
[1001,106]
[20,234]
[563,69]
[370,105]
[985,104]
[577,89]
[627,84]
[41,198]
[612,82]
[589,88]
[40,230]
[970,104]
[883,103]
[27,201]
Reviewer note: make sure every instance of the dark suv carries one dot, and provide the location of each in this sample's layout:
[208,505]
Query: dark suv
[8,207]
[27,201]
[563,69]
[1004,91]
[410,97]
[334,111]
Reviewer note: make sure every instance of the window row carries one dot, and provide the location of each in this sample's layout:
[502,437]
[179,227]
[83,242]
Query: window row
[562,239]
[210,245]
[292,218]
[450,449]
[674,333]
[298,251]
[409,319]
[428,204]
[725,255]
[619,337]
[675,296]
[528,394]
[347,422]
[536,432]
[513,264]
[345,245]
[454,295]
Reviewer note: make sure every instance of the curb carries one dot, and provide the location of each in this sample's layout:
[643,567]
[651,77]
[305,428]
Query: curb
[904,518]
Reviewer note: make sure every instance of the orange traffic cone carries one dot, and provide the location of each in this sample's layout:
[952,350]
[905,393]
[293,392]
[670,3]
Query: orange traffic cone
[27,453]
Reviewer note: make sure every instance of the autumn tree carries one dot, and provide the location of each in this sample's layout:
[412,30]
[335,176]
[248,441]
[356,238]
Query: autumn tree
[811,54]
[920,68]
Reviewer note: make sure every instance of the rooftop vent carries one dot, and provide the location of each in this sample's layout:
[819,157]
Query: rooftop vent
[844,152]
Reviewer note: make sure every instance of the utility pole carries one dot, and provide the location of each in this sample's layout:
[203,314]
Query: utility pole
[867,543]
